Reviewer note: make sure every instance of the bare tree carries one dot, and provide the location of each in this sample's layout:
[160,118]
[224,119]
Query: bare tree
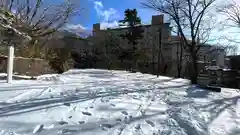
[160,57]
[228,49]
[111,46]
[148,42]
[180,57]
[231,50]
[7,29]
[153,38]
[41,19]
[231,13]
[188,15]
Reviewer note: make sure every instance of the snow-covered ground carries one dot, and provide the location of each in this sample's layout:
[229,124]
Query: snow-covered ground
[91,101]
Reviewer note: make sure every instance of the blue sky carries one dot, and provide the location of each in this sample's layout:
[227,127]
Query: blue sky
[108,12]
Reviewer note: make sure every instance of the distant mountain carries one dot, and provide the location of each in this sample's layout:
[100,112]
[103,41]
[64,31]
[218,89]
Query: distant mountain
[68,40]
[78,30]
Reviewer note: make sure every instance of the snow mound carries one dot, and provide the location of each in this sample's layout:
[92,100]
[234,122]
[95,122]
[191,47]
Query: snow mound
[49,77]
[3,76]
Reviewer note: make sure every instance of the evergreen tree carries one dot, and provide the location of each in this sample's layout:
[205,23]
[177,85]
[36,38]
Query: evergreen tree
[133,35]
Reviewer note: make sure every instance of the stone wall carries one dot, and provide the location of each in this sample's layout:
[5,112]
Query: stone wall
[26,66]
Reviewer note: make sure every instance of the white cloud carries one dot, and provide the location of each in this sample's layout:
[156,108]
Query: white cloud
[113,24]
[109,16]
[78,29]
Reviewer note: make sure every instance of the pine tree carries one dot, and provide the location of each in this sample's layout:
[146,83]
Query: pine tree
[133,35]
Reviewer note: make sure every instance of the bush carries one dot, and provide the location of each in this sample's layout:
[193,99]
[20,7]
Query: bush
[59,59]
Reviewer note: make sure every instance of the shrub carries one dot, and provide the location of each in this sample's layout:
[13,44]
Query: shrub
[59,59]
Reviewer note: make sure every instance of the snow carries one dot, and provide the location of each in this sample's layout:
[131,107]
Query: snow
[107,102]
[38,128]
[4,75]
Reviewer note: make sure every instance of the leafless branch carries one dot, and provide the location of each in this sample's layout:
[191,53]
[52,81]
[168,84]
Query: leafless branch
[232,13]
[189,14]
[40,19]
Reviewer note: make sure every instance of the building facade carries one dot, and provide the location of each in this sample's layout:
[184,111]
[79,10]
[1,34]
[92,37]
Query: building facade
[162,48]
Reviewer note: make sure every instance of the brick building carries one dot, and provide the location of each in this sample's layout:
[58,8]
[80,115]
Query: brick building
[170,46]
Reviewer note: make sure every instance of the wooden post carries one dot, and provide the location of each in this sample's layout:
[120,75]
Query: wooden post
[10,64]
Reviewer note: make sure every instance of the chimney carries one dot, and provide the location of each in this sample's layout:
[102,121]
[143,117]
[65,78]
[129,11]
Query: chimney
[158,19]
[96,27]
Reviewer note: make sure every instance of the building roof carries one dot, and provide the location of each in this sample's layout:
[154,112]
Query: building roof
[125,28]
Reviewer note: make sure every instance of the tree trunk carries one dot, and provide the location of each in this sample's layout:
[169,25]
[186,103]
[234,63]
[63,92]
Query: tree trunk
[153,58]
[133,68]
[179,60]
[194,68]
[160,53]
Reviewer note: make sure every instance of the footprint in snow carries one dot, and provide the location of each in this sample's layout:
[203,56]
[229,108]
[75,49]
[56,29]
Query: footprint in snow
[107,125]
[94,101]
[62,122]
[143,112]
[126,120]
[103,128]
[68,131]
[66,104]
[138,126]
[113,105]
[111,98]
[118,119]
[49,90]
[121,130]
[81,122]
[87,113]
[150,123]
[124,112]
[102,119]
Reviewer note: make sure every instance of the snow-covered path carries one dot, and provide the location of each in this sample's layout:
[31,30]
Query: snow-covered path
[91,101]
